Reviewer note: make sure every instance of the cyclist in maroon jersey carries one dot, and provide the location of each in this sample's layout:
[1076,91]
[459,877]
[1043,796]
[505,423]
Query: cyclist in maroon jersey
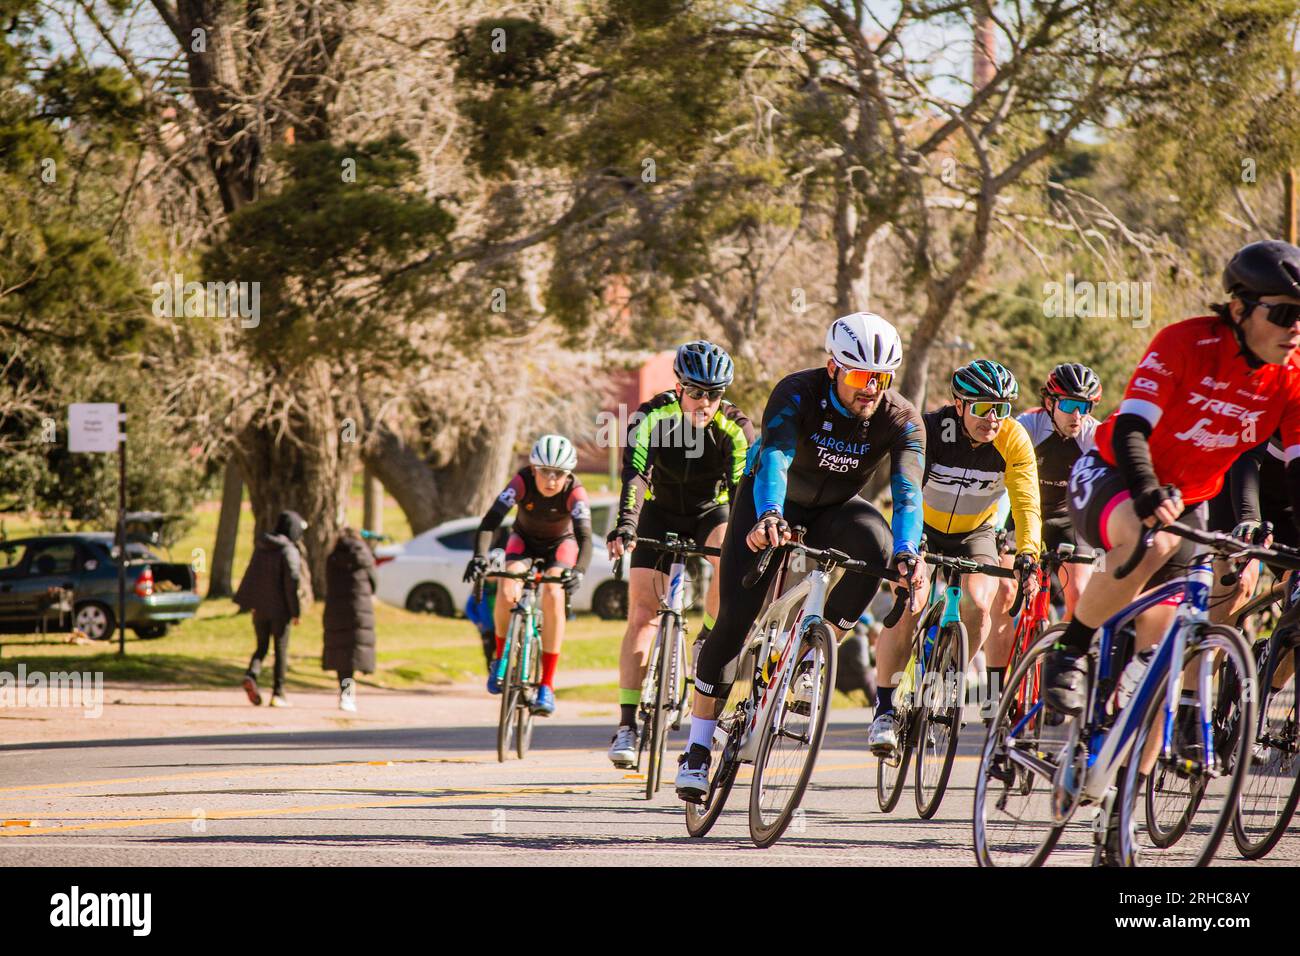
[553,523]
[1206,389]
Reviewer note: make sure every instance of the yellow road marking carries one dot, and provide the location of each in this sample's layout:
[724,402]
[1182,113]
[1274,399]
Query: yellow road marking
[504,793]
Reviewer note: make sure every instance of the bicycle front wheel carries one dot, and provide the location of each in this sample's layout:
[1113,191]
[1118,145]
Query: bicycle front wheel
[510,691]
[1272,786]
[1201,803]
[529,681]
[792,736]
[943,696]
[665,642]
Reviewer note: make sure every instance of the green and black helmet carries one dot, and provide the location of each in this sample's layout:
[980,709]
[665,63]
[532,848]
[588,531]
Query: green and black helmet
[984,380]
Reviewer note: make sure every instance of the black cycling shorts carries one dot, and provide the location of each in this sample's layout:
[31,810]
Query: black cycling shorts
[854,527]
[978,545]
[655,522]
[1096,489]
[1223,516]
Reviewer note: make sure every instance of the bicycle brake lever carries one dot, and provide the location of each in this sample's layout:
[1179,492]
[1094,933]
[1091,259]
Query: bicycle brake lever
[900,605]
[759,569]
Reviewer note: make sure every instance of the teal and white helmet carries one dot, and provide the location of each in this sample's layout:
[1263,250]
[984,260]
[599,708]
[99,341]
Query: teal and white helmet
[984,380]
[554,451]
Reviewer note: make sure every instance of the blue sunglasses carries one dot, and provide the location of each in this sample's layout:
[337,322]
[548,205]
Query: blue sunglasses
[1072,405]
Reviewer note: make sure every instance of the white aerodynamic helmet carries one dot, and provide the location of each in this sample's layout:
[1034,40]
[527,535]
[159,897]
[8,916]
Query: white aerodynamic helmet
[863,340]
[554,451]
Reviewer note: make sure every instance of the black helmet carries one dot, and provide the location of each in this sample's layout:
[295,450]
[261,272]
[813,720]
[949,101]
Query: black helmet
[1271,267]
[1072,380]
[704,365]
[984,379]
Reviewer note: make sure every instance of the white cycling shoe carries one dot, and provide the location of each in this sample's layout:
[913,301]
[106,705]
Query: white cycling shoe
[882,738]
[622,750]
[692,783]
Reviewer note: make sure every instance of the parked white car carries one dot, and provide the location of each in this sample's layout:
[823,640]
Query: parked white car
[424,574]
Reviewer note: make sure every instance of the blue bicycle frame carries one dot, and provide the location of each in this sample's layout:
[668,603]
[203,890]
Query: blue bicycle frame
[1108,746]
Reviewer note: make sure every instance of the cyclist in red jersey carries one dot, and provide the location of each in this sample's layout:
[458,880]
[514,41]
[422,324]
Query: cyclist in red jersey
[1207,389]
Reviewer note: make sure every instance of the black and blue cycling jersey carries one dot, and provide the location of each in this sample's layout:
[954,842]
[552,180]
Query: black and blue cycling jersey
[814,452]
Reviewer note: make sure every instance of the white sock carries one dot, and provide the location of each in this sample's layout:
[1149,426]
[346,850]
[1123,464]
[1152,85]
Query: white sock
[702,732]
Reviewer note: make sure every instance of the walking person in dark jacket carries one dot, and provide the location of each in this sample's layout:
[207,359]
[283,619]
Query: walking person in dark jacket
[349,614]
[270,590]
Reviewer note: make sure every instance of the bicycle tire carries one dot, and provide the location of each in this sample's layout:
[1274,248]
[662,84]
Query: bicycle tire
[509,692]
[1286,742]
[993,800]
[700,817]
[818,644]
[525,718]
[949,652]
[1216,814]
[890,775]
[659,712]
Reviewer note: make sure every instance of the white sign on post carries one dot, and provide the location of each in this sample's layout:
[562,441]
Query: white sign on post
[92,426]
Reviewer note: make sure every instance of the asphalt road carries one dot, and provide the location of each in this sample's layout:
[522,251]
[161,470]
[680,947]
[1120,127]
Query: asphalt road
[396,796]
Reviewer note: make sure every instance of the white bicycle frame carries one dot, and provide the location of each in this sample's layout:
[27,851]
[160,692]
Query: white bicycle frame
[674,602]
[809,598]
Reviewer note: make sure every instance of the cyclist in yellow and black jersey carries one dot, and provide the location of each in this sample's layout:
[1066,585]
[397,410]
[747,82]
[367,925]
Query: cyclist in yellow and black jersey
[973,453]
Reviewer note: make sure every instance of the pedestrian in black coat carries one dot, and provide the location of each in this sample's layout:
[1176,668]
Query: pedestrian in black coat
[349,614]
[270,590]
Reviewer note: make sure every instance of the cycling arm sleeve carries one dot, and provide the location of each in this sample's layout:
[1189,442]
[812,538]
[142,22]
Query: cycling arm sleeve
[580,511]
[496,514]
[638,460]
[775,452]
[1022,485]
[907,465]
[1243,482]
[1133,453]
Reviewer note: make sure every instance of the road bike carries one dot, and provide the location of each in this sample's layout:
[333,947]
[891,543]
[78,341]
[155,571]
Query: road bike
[1035,774]
[519,671]
[1272,787]
[775,716]
[931,693]
[665,687]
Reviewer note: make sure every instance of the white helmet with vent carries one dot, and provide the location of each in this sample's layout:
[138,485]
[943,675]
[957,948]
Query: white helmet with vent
[554,451]
[863,340]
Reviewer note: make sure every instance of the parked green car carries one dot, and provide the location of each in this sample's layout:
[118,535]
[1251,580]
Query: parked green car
[35,572]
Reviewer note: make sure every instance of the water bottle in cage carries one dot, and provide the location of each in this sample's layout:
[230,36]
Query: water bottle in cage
[1130,678]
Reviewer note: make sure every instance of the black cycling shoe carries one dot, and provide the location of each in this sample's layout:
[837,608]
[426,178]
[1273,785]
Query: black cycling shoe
[1065,678]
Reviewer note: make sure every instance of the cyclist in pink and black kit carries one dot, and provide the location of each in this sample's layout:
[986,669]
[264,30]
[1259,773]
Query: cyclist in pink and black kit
[553,522]
[1207,389]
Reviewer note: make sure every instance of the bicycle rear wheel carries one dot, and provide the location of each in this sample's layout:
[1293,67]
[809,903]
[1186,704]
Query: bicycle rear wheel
[1208,795]
[665,641]
[700,817]
[1271,789]
[529,681]
[792,736]
[891,772]
[942,700]
[1019,817]
[510,691]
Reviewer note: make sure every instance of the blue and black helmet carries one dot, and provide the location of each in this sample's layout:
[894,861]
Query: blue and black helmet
[984,380]
[703,365]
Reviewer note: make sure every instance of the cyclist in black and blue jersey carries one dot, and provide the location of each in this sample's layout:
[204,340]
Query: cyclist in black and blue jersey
[824,431]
